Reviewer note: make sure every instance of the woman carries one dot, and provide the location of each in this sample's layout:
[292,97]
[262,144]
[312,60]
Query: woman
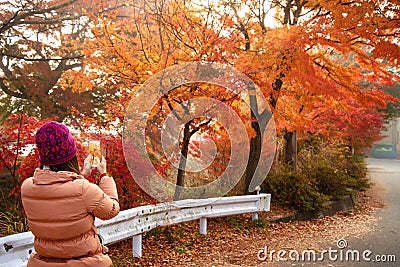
[61,204]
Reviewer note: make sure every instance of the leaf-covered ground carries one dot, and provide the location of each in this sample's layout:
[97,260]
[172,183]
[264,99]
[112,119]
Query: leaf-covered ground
[236,240]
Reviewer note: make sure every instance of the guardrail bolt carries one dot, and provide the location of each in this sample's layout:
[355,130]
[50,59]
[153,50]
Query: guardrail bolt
[7,247]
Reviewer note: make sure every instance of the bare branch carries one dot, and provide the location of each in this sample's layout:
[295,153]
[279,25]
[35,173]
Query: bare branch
[39,59]
[199,126]
[20,15]
[6,90]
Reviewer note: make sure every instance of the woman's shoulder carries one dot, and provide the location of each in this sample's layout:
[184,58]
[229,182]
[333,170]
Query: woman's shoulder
[88,187]
[27,183]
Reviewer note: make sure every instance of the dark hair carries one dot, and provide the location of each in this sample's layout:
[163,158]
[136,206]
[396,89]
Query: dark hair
[70,166]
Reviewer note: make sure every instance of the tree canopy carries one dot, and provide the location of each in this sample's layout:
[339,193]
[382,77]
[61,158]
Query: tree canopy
[322,65]
[39,41]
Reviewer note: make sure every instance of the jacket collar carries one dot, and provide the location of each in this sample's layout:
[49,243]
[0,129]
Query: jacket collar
[46,177]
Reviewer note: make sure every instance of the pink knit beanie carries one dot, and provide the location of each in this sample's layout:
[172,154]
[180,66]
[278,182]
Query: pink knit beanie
[55,144]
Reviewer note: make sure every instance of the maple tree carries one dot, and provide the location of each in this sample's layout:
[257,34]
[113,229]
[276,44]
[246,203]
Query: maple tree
[205,126]
[130,55]
[310,68]
[317,59]
[39,41]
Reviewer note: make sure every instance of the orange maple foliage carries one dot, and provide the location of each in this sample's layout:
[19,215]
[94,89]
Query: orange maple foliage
[312,68]
[320,59]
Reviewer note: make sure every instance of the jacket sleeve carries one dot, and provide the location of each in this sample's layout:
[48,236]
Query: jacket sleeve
[102,200]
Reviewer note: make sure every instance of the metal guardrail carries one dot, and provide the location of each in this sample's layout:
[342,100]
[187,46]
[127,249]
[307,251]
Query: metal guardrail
[132,223]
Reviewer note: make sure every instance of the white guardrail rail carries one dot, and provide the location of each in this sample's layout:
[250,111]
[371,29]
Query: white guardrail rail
[132,223]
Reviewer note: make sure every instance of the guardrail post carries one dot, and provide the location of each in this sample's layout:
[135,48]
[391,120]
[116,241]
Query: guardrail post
[203,226]
[137,246]
[254,216]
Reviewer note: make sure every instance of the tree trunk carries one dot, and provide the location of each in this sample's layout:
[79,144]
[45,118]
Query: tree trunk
[180,178]
[255,143]
[291,149]
[254,157]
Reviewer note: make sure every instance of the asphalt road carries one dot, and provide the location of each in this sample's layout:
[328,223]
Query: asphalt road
[381,247]
[384,241]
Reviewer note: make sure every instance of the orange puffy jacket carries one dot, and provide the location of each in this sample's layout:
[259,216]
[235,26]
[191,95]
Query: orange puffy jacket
[61,207]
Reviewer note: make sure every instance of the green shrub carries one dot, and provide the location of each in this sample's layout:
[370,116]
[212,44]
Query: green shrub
[336,172]
[330,180]
[356,168]
[325,172]
[294,190]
